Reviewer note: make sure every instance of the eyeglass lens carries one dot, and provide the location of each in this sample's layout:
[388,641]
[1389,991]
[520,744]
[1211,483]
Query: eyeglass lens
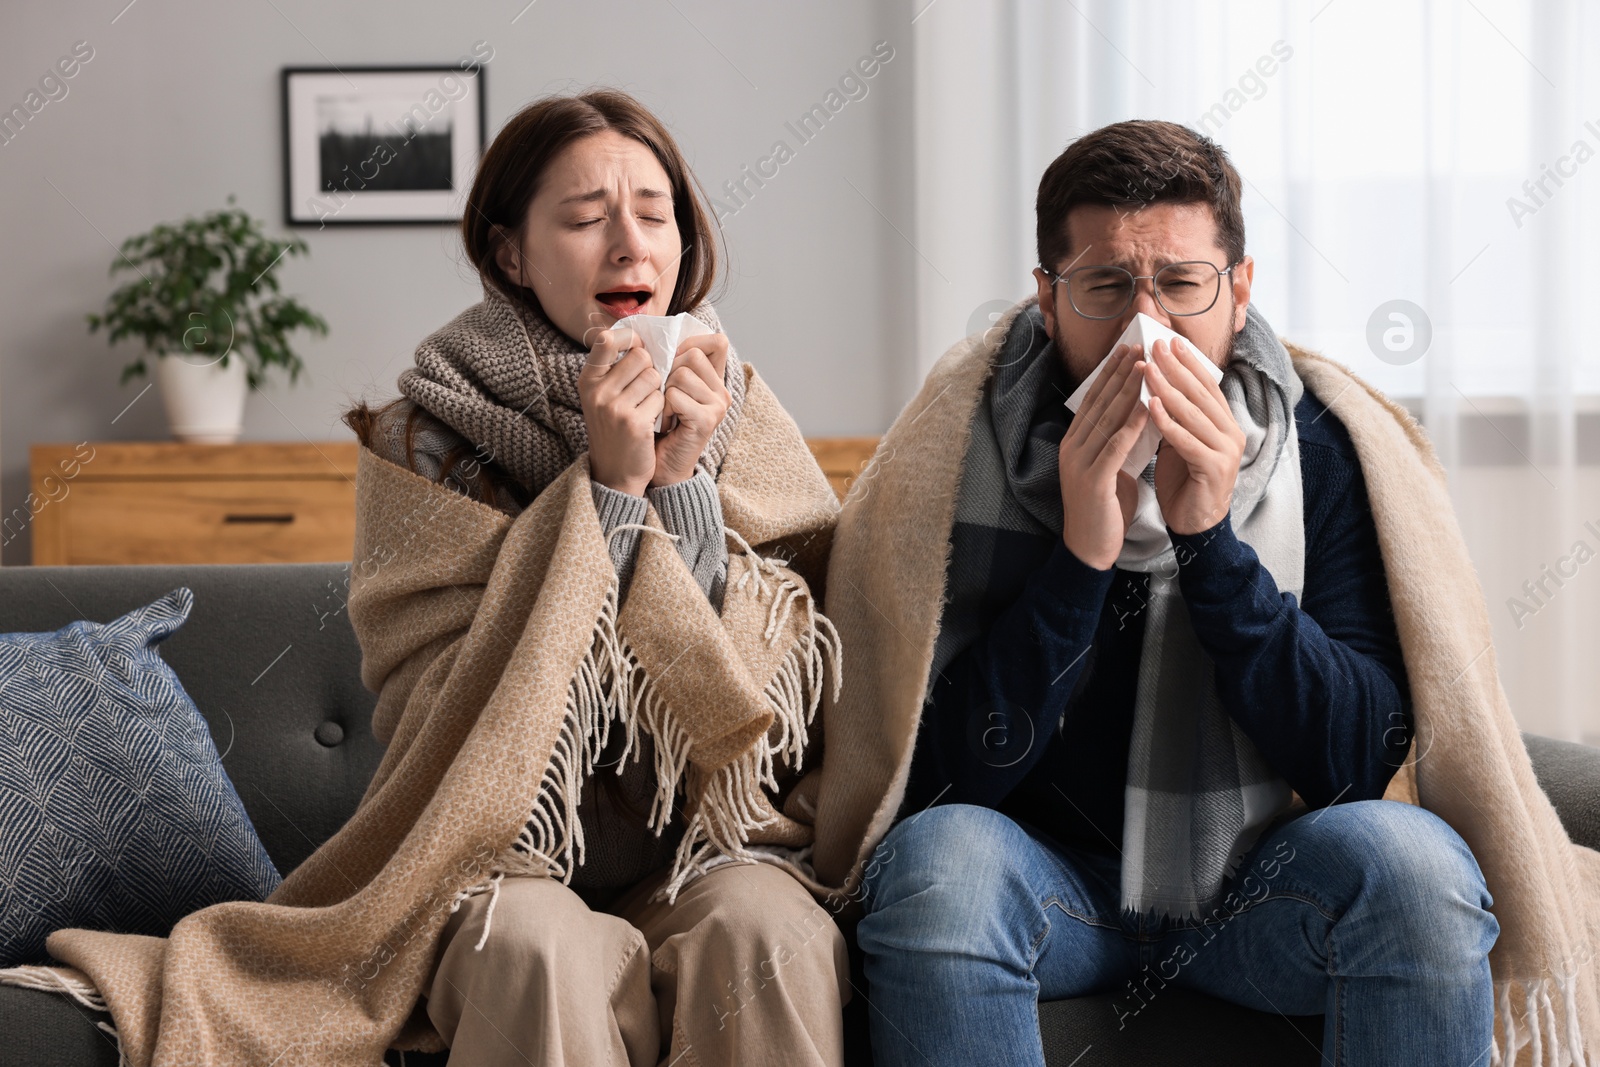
[1188,288]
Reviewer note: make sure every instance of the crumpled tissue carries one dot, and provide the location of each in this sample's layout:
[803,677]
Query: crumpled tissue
[660,335]
[1143,331]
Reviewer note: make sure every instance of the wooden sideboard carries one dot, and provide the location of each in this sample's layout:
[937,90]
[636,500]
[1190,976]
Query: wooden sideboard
[170,502]
[266,502]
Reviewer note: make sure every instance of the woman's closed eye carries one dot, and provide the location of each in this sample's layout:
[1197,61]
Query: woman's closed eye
[587,222]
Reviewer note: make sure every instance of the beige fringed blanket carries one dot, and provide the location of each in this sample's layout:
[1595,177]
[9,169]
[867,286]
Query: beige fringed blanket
[1468,764]
[502,662]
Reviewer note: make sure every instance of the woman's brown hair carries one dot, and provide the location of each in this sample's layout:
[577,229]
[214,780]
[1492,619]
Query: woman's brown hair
[497,208]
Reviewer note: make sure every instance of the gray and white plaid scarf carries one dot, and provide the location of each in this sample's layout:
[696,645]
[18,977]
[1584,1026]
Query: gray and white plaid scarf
[501,375]
[1198,792]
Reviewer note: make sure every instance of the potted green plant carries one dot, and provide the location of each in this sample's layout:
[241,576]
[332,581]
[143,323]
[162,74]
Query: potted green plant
[206,305]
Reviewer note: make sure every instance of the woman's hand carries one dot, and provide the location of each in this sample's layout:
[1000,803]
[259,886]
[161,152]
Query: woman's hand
[698,399]
[621,399]
[1097,498]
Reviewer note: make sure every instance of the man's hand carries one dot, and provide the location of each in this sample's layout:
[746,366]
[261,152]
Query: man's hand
[1201,443]
[697,400]
[621,399]
[1097,498]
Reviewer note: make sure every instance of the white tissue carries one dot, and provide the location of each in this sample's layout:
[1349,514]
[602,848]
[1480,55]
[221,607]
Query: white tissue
[660,336]
[1144,331]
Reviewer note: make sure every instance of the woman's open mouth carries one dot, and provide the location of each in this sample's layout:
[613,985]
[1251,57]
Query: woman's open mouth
[624,302]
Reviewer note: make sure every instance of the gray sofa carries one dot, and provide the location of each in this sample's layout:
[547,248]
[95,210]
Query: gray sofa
[269,657]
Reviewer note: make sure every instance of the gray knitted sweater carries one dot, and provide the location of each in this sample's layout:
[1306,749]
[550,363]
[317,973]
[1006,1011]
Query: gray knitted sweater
[619,849]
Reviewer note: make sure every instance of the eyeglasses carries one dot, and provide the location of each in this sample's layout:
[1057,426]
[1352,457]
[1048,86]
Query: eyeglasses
[1105,292]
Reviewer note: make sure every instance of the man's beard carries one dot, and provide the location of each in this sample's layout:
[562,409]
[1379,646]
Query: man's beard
[1070,356]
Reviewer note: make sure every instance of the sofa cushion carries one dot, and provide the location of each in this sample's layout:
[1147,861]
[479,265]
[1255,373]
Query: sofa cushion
[52,1030]
[269,658]
[115,812]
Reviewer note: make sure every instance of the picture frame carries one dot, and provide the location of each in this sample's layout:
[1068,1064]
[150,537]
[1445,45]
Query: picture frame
[381,145]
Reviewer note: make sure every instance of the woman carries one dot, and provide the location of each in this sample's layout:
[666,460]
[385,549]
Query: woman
[615,930]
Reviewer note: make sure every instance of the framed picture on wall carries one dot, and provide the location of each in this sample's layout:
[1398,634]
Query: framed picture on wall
[380,145]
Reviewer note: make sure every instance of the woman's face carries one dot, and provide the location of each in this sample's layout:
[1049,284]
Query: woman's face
[600,242]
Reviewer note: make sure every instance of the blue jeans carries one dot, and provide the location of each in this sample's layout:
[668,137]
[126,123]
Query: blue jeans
[1373,914]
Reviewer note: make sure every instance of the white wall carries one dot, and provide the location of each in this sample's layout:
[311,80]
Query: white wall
[180,107]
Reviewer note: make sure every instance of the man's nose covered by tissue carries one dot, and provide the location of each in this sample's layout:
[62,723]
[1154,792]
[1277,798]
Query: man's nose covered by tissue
[660,336]
[1143,331]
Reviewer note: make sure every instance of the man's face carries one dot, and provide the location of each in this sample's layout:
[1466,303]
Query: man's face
[1142,241]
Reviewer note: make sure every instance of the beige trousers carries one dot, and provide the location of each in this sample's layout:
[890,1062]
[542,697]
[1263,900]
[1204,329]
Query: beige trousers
[745,968]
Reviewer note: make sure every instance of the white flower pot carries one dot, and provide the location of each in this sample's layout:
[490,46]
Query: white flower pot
[204,401]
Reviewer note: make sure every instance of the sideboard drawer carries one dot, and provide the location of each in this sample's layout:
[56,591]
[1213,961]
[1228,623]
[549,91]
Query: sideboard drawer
[209,522]
[162,502]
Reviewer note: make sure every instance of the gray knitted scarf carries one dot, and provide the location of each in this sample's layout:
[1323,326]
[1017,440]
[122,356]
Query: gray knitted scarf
[504,377]
[1198,792]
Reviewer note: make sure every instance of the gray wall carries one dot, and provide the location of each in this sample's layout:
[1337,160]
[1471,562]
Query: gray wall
[179,107]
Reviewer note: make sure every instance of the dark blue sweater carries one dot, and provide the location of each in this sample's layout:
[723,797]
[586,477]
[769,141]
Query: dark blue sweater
[1036,717]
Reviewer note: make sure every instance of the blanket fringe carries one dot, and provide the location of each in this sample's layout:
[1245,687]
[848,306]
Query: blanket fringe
[610,686]
[1552,1045]
[732,805]
[51,980]
[83,991]
[551,842]
[107,1028]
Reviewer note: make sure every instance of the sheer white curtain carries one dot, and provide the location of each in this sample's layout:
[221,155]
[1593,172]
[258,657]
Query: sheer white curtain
[1445,153]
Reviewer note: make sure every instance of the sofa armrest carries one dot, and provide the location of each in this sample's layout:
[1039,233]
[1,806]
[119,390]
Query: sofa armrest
[1569,774]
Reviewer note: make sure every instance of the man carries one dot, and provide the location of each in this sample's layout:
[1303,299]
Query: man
[1133,675]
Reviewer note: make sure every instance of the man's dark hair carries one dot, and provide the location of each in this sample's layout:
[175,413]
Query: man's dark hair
[1138,162]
